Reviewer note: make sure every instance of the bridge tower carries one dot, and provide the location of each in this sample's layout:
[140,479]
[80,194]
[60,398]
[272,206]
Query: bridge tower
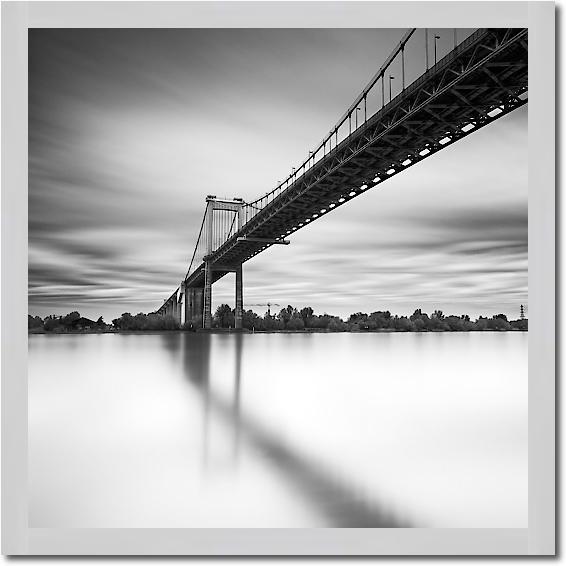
[214,236]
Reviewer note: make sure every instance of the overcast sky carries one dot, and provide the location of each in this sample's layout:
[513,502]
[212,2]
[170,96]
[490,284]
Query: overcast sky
[129,130]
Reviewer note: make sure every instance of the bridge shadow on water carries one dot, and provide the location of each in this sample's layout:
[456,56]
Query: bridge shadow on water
[334,498]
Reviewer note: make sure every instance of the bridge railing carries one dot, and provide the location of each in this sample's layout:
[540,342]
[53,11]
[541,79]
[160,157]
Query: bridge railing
[417,51]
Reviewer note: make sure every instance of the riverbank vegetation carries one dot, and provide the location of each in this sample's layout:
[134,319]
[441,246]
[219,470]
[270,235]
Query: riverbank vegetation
[288,319]
[293,319]
[74,322]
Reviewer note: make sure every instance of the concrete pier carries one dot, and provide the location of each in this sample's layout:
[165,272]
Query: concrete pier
[207,310]
[239,297]
[194,303]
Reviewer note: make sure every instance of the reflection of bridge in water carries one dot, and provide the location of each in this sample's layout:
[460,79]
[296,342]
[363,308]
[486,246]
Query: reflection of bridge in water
[333,497]
[479,80]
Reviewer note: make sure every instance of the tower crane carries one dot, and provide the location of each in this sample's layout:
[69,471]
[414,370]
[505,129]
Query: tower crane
[268,305]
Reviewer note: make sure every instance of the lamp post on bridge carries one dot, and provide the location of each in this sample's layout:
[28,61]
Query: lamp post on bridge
[391,78]
[436,38]
[426,47]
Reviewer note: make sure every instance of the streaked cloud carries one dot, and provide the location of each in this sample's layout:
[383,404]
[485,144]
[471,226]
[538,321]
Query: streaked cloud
[129,130]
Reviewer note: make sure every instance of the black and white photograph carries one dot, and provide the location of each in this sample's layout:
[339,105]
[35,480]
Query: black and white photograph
[278,277]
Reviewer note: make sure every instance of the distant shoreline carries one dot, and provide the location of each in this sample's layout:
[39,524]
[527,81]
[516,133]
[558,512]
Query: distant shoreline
[288,320]
[33,331]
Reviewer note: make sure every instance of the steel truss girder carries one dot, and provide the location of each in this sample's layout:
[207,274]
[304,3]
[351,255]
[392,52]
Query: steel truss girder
[374,151]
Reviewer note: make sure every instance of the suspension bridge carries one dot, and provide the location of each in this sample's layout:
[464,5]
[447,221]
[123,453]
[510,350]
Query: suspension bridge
[438,102]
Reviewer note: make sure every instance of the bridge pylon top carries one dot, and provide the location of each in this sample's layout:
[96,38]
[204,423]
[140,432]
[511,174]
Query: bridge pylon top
[214,198]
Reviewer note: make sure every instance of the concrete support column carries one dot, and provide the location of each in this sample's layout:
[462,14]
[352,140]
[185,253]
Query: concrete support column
[178,304]
[194,305]
[188,297]
[239,297]
[182,302]
[207,310]
[199,305]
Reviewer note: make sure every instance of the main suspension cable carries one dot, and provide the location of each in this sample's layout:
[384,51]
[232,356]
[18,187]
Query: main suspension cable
[196,247]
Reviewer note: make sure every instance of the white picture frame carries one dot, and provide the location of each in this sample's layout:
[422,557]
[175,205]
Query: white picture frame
[537,539]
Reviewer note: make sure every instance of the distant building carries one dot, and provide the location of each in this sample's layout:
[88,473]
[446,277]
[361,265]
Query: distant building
[83,323]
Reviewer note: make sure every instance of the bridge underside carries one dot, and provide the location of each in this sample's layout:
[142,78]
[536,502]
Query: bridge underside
[484,78]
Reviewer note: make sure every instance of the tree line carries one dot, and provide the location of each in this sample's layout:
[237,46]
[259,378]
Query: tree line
[74,322]
[68,323]
[288,318]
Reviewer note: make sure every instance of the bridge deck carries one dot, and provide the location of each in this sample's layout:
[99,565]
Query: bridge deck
[482,79]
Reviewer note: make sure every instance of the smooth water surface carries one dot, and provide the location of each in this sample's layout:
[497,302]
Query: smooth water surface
[278,430]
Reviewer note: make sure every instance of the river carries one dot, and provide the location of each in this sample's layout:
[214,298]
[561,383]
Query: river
[278,430]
